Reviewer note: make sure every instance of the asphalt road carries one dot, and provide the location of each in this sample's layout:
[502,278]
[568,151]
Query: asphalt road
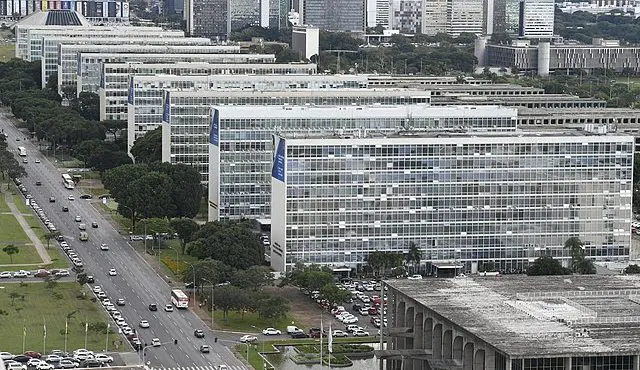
[136,281]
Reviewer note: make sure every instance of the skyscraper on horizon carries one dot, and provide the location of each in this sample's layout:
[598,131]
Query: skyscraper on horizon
[332,15]
[536,19]
[208,18]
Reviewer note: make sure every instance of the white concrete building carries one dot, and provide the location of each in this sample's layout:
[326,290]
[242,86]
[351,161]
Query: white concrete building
[241,139]
[453,17]
[460,198]
[115,78]
[306,41]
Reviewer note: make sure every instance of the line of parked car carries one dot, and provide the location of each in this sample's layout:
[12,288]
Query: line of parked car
[56,359]
[112,309]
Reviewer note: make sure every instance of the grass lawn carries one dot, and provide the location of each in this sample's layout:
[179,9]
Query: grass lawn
[20,204]
[10,231]
[168,257]
[236,322]
[37,304]
[37,227]
[7,52]
[3,204]
[27,254]
[58,258]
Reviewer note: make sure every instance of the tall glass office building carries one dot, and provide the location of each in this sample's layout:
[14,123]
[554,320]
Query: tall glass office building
[241,140]
[461,198]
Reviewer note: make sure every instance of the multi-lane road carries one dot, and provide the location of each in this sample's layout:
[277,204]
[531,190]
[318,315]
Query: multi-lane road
[135,281]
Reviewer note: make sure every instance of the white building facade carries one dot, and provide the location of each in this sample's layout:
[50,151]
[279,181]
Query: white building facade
[506,198]
[536,19]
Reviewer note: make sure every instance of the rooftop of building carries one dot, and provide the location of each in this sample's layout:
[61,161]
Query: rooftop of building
[542,316]
[552,98]
[132,49]
[581,112]
[67,18]
[382,92]
[185,65]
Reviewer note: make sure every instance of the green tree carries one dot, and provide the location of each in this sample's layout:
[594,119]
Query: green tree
[228,298]
[114,126]
[148,148]
[213,271]
[271,307]
[414,255]
[89,106]
[334,295]
[546,265]
[186,192]
[632,269]
[585,267]
[82,278]
[151,195]
[185,228]
[232,242]
[11,250]
[154,226]
[576,248]
[51,235]
[254,278]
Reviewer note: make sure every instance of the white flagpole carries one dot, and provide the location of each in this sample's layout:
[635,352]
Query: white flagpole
[86,331]
[321,333]
[330,345]
[66,332]
[106,341]
[24,336]
[44,337]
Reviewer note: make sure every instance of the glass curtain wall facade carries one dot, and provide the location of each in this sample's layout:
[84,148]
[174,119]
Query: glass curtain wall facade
[145,95]
[505,198]
[114,82]
[240,161]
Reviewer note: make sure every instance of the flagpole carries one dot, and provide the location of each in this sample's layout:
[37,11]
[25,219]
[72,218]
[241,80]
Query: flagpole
[86,330]
[66,332]
[330,345]
[24,337]
[321,332]
[44,336]
[106,341]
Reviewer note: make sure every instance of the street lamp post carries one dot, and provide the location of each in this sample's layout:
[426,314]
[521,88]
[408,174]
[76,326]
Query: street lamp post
[212,286]
[177,262]
[193,287]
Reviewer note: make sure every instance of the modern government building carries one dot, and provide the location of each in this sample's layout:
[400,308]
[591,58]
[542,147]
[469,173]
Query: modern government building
[513,322]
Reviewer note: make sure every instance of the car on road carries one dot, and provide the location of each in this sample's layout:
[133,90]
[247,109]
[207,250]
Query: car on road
[6,356]
[82,226]
[144,324]
[22,358]
[248,339]
[104,247]
[37,161]
[52,199]
[20,274]
[97,289]
[120,302]
[4,274]
[222,367]
[415,277]
[103,358]
[271,331]
[168,308]
[71,197]
[299,334]
[25,161]
[90,363]
[90,279]
[86,196]
[78,219]
[153,307]
[94,225]
[156,342]
[205,348]
[34,361]
[113,272]
[360,333]
[38,183]
[68,364]
[198,333]
[339,333]
[65,209]
[16,366]
[44,366]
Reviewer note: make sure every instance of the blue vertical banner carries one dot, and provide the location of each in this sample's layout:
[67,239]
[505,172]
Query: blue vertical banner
[103,77]
[130,97]
[278,168]
[214,133]
[166,111]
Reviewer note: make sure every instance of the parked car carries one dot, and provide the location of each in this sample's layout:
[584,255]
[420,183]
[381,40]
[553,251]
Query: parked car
[339,333]
[415,277]
[248,339]
[271,331]
[299,334]
[103,358]
[360,333]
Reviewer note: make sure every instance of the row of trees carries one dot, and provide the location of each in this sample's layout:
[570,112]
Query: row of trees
[316,278]
[155,190]
[584,26]
[546,265]
[9,166]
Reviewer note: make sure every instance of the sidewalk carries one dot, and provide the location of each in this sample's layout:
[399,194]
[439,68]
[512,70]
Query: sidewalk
[46,259]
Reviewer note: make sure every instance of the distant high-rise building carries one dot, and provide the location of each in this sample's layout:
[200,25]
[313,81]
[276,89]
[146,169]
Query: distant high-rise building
[502,16]
[249,13]
[453,17]
[406,16]
[383,7]
[278,10]
[332,15]
[536,19]
[208,18]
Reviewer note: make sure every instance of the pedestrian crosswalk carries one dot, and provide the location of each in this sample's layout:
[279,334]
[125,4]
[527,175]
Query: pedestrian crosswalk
[211,367]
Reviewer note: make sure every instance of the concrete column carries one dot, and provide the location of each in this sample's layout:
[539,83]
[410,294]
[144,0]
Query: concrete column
[508,367]
[636,362]
[567,363]
[489,359]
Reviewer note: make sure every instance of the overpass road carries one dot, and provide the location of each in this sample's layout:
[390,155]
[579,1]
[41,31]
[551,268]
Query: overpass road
[136,281]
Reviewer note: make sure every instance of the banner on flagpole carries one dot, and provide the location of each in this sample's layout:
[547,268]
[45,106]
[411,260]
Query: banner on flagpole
[330,341]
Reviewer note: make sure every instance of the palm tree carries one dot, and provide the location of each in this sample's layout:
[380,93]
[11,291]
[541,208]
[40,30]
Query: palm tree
[414,255]
[576,248]
[51,235]
[11,250]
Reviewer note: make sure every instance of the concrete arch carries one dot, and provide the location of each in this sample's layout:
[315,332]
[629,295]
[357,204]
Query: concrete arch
[401,312]
[437,341]
[467,361]
[457,348]
[428,333]
[478,363]
[409,322]
[447,343]
[418,331]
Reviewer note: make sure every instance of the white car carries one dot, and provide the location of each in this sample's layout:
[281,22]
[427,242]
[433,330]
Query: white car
[34,361]
[104,247]
[103,358]
[248,339]
[339,333]
[37,161]
[113,272]
[4,274]
[350,320]
[16,366]
[53,358]
[360,333]
[62,273]
[44,366]
[415,277]
[156,342]
[271,331]
[20,274]
[168,308]
[71,197]
[6,356]
[97,289]
[144,324]
[78,219]
[82,350]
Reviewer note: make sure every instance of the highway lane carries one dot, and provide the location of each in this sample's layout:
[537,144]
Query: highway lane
[136,281]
